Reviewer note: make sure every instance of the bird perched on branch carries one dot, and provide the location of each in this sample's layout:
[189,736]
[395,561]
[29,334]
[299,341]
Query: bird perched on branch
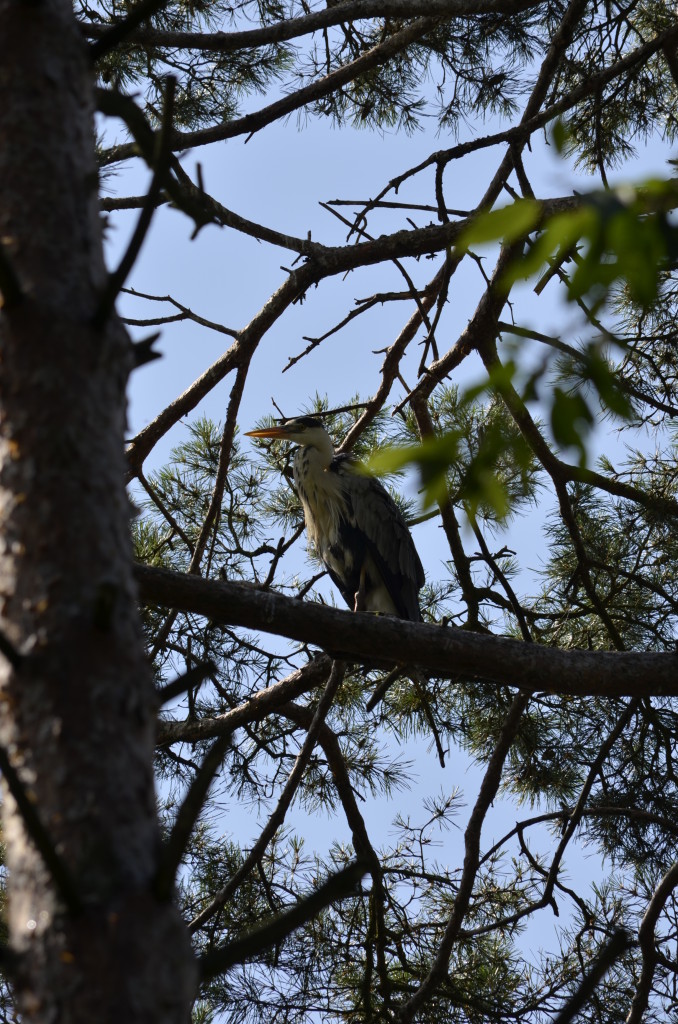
[353,523]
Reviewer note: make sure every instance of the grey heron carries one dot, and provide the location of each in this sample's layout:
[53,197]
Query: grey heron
[353,524]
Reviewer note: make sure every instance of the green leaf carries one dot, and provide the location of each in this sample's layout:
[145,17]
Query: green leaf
[600,373]
[570,420]
[560,135]
[560,235]
[509,224]
[564,229]
[432,458]
[499,378]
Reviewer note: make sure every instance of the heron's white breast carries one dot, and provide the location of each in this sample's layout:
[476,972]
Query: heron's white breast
[322,498]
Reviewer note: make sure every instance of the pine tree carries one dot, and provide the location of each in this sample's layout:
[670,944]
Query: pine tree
[260,884]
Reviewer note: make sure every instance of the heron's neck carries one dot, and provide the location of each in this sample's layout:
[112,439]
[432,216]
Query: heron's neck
[320,452]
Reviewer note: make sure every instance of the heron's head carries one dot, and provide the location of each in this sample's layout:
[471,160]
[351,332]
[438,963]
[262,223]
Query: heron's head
[303,430]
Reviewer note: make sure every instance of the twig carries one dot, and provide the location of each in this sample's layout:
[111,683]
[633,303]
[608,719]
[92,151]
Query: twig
[384,686]
[337,887]
[314,342]
[143,351]
[164,511]
[241,349]
[110,204]
[193,677]
[390,370]
[184,313]
[163,149]
[420,690]
[408,280]
[286,797]
[388,205]
[501,576]
[211,520]
[189,812]
[617,944]
[121,29]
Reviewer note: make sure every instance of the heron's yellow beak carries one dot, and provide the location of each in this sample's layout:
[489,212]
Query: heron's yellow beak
[268,432]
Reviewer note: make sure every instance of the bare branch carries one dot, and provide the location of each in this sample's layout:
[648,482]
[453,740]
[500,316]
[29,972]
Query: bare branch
[112,36]
[442,651]
[184,313]
[249,337]
[161,166]
[646,938]
[337,887]
[293,28]
[278,816]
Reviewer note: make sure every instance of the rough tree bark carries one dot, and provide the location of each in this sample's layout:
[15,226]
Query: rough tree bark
[77,713]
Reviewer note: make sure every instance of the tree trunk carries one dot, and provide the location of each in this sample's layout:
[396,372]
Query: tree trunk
[77,715]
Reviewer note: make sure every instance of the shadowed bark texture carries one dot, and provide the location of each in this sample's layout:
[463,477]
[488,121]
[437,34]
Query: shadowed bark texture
[77,713]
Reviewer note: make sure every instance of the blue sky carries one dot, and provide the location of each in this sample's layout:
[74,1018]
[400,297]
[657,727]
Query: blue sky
[278,178]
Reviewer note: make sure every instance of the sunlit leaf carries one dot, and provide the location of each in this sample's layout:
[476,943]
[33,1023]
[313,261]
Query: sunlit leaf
[432,459]
[507,224]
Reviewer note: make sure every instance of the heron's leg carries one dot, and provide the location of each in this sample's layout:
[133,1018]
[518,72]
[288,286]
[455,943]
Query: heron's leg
[360,593]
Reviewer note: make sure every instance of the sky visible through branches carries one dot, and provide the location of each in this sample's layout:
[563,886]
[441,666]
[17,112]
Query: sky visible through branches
[373,212]
[326,314]
[281,177]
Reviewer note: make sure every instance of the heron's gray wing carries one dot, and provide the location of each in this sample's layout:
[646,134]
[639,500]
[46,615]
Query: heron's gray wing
[373,512]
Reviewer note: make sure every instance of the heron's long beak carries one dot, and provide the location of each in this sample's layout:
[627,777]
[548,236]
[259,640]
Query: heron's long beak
[281,431]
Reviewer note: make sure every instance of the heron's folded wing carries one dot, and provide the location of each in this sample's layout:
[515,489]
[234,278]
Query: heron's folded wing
[373,511]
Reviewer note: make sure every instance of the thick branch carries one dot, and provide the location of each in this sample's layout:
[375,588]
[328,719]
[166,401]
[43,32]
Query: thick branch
[254,122]
[257,707]
[293,28]
[442,651]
